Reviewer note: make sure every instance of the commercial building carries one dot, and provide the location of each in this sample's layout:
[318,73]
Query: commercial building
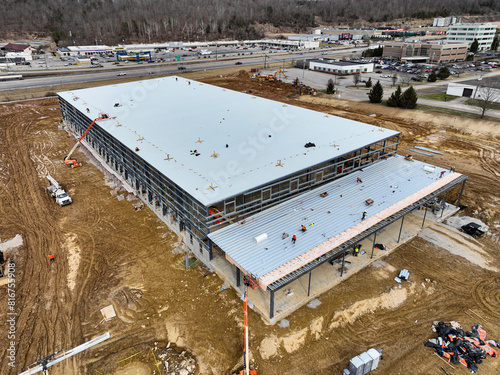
[286,44]
[468,32]
[340,67]
[237,175]
[431,52]
[75,51]
[445,21]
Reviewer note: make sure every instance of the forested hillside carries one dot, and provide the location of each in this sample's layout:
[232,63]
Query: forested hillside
[115,21]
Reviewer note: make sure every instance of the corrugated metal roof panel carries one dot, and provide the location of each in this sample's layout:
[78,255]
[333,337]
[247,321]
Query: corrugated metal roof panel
[170,118]
[386,182]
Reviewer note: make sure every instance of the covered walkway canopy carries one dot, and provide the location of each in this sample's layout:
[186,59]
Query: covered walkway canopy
[331,219]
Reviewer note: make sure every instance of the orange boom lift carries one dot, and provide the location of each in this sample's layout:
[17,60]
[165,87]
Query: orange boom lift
[246,358]
[72,162]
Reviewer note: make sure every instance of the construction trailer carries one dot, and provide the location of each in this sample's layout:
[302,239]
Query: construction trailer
[234,167]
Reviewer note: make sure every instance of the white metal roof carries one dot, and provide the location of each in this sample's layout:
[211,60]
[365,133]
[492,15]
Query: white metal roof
[170,118]
[392,184]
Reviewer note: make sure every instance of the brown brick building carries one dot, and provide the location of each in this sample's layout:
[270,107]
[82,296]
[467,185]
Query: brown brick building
[425,52]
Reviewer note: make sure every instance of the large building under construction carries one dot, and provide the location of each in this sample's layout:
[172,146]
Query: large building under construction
[240,175]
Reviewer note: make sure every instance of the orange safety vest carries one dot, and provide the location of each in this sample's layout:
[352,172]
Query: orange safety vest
[294,237]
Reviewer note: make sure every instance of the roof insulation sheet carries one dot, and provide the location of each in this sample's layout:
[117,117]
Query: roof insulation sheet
[216,143]
[392,184]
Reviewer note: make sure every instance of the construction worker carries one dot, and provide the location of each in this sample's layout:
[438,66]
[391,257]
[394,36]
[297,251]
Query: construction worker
[358,181]
[364,215]
[285,235]
[294,238]
[452,169]
[52,258]
[303,228]
[356,250]
[442,174]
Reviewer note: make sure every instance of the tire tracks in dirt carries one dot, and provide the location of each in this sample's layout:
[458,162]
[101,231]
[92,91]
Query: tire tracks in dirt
[42,297]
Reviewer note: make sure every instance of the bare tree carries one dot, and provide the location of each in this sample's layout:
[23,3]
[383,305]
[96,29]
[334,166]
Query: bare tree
[356,78]
[486,96]
[405,79]
[460,70]
[394,78]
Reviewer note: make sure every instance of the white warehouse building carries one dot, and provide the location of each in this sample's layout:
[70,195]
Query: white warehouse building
[340,67]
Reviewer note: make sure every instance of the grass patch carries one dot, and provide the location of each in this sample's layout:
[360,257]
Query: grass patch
[451,112]
[479,103]
[439,96]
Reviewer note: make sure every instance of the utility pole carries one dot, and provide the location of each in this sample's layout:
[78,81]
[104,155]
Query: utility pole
[265,60]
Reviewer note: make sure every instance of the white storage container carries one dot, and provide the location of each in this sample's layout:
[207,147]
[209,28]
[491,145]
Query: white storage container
[375,356]
[367,360]
[356,366]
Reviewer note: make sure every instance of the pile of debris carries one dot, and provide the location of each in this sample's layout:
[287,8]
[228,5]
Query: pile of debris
[466,347]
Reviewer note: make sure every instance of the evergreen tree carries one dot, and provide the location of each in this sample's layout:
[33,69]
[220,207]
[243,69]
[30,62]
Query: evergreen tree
[395,99]
[330,87]
[494,44]
[409,98]
[432,77]
[474,46]
[443,73]
[369,82]
[376,93]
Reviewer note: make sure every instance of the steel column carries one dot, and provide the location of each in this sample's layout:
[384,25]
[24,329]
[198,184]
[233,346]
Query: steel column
[425,214]
[461,191]
[444,206]
[373,245]
[401,228]
[309,286]
[271,305]
[343,262]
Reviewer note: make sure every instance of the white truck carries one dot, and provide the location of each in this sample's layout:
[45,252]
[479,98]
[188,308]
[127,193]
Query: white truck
[58,193]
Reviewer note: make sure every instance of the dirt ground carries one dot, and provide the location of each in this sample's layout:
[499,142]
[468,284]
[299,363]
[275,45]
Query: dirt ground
[107,253]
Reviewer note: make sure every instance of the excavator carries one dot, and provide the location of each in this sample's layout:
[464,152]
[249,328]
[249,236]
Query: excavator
[246,358]
[269,77]
[72,162]
[272,77]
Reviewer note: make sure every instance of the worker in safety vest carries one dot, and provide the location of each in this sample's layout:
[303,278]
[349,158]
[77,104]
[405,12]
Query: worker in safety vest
[294,238]
[356,250]
[303,228]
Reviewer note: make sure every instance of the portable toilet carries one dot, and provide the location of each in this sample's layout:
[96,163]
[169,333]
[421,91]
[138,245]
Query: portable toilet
[367,360]
[375,354]
[356,366]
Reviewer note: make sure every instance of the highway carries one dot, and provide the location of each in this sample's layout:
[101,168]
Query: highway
[61,77]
